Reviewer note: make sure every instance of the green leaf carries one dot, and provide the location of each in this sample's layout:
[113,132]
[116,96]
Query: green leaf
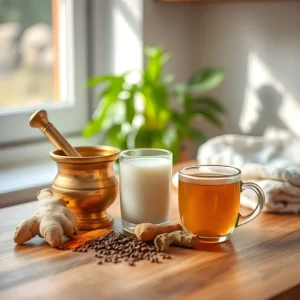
[95,124]
[160,98]
[130,110]
[175,149]
[143,138]
[156,60]
[171,140]
[153,68]
[100,79]
[169,136]
[165,58]
[151,51]
[113,135]
[168,139]
[180,91]
[108,98]
[210,103]
[188,106]
[167,79]
[157,141]
[116,114]
[181,123]
[150,107]
[197,136]
[209,116]
[157,111]
[206,80]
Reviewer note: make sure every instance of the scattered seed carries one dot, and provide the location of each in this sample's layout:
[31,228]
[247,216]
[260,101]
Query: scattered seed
[116,248]
[131,263]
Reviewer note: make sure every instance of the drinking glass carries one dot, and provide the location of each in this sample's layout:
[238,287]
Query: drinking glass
[145,183]
[209,201]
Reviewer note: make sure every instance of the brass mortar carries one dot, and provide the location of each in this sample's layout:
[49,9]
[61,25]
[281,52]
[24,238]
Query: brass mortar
[88,183]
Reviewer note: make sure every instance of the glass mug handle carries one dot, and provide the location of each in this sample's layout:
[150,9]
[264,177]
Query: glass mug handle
[260,204]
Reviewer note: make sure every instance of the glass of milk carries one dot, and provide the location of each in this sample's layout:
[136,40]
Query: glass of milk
[145,183]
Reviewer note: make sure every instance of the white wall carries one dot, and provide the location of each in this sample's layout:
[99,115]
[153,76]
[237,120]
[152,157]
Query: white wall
[170,26]
[258,45]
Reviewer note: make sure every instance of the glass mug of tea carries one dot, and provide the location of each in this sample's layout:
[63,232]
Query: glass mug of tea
[209,201]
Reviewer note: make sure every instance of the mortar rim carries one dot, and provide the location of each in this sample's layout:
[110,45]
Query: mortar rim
[115,153]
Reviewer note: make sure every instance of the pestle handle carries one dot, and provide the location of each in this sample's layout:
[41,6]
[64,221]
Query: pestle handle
[40,120]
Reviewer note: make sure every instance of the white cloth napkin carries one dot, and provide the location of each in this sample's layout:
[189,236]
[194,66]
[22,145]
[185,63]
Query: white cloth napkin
[273,162]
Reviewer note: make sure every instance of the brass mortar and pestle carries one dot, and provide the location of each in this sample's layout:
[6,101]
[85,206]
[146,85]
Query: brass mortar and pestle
[85,177]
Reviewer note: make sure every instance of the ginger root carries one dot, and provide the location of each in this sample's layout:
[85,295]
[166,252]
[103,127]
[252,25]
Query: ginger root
[148,232]
[51,221]
[179,238]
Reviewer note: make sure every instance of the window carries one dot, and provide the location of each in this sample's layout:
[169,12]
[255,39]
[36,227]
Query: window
[87,38]
[42,65]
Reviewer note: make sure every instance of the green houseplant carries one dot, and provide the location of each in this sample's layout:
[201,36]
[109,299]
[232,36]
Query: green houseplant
[140,113]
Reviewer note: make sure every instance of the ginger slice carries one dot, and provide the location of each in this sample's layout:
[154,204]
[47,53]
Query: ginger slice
[82,239]
[148,231]
[178,238]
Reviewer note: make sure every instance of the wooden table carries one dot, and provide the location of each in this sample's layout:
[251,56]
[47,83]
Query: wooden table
[261,261]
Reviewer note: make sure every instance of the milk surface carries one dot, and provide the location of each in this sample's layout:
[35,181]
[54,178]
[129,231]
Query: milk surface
[145,189]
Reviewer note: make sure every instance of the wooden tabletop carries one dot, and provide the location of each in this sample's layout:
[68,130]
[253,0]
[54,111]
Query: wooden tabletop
[260,262]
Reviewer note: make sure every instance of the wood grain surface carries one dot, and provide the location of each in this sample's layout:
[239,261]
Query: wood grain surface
[260,262]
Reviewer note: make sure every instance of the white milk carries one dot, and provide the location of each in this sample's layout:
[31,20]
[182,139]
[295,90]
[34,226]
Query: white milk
[145,189]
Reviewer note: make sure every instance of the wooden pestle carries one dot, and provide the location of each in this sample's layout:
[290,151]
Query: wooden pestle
[40,120]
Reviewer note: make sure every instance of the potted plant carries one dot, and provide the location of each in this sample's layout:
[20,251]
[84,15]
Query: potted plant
[139,113]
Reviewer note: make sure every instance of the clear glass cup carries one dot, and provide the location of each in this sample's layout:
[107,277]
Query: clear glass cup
[145,184]
[209,201]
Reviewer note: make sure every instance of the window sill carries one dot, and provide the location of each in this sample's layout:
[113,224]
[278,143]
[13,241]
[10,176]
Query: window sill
[21,184]
[26,169]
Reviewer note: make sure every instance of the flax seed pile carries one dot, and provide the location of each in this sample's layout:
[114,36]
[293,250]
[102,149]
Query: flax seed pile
[117,247]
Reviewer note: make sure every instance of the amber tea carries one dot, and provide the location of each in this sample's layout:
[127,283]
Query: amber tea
[209,210]
[209,201]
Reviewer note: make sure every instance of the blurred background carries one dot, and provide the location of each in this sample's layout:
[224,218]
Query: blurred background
[26,59]
[238,61]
